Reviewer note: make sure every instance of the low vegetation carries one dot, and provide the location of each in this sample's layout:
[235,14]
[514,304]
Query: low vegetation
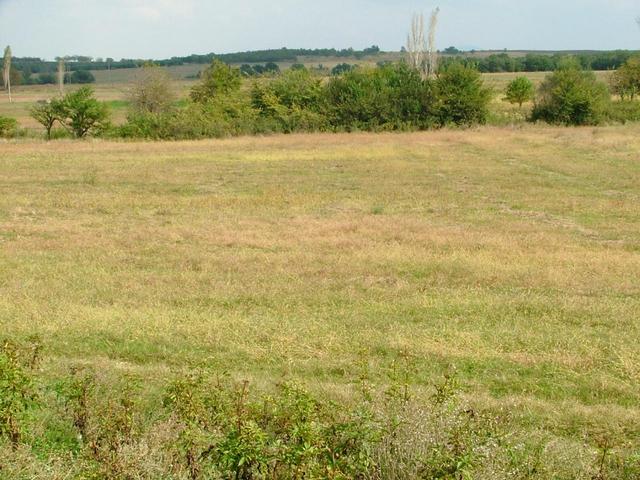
[8,127]
[205,425]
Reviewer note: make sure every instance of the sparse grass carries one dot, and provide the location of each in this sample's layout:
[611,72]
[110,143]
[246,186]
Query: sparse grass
[511,255]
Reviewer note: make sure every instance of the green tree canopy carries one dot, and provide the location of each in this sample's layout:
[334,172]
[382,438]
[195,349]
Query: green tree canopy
[626,80]
[519,91]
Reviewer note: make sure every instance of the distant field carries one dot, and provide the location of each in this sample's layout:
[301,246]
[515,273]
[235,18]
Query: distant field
[512,256]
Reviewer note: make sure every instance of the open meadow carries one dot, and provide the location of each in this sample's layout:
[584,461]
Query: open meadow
[510,257]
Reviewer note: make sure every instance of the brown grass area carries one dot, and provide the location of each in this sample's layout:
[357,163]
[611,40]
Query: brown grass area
[509,254]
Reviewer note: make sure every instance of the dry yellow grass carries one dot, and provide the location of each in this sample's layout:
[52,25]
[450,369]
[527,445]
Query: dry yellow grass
[510,254]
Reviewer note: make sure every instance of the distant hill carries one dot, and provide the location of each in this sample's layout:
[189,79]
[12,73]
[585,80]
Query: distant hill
[36,70]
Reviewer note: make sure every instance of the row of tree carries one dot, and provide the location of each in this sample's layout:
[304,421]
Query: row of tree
[389,97]
[283,55]
[535,62]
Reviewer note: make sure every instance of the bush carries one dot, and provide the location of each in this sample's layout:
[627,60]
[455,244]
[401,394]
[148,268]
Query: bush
[342,68]
[221,117]
[47,79]
[290,103]
[622,112]
[571,96]
[462,97]
[217,80]
[80,76]
[152,91]
[391,97]
[8,127]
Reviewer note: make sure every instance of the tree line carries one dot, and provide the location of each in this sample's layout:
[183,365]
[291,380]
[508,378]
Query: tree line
[35,65]
[536,62]
[30,70]
[390,97]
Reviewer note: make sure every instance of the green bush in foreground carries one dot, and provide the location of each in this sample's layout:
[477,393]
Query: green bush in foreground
[206,426]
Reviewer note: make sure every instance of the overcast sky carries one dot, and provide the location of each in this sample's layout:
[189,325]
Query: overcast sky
[165,28]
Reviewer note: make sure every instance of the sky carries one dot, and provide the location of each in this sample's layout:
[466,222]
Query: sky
[165,28]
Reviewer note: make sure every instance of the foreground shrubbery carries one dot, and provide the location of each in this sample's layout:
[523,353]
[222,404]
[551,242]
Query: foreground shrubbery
[204,426]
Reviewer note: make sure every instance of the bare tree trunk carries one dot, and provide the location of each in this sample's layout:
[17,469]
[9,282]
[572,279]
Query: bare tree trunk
[61,70]
[421,51]
[415,43]
[7,70]
[432,53]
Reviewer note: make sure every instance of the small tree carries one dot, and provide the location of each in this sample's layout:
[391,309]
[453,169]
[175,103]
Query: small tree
[519,91]
[81,114]
[152,91]
[218,79]
[46,114]
[626,80]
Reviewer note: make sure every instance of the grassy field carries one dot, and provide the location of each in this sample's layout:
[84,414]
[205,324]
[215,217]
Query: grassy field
[511,256]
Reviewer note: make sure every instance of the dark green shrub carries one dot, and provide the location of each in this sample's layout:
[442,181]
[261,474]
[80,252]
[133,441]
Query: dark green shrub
[462,97]
[571,96]
[290,103]
[391,97]
[8,127]
[80,76]
[342,68]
